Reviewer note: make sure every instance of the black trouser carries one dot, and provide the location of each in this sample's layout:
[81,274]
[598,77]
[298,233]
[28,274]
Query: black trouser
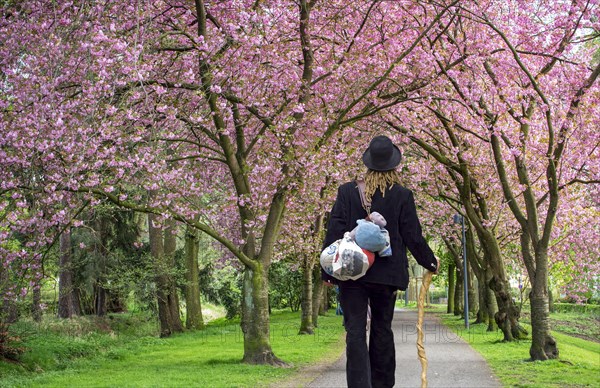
[374,366]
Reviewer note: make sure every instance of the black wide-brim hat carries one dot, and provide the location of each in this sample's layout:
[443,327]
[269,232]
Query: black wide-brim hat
[382,154]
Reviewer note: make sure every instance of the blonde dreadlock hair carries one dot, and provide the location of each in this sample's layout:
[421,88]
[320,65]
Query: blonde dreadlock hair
[382,180]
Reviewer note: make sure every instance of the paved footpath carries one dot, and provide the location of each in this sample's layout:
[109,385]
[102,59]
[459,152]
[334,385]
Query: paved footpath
[452,362]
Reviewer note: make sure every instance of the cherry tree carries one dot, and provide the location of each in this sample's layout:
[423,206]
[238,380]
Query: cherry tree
[154,105]
[527,94]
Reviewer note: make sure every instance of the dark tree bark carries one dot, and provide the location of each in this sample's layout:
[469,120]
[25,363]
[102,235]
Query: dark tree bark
[36,309]
[325,300]
[490,302]
[306,319]
[8,308]
[458,293]
[474,270]
[481,316]
[100,305]
[164,285]
[170,246]
[157,250]
[194,319]
[68,303]
[317,295]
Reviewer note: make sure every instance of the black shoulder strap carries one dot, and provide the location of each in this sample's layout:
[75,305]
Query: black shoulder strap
[366,204]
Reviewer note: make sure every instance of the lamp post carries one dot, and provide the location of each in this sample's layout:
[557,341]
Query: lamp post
[459,219]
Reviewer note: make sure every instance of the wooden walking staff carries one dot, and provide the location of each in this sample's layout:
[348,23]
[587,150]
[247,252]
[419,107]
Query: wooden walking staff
[421,304]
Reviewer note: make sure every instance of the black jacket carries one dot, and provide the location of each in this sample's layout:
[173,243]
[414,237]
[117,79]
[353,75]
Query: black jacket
[398,208]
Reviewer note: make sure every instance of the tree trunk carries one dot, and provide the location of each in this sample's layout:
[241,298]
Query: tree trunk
[458,293]
[451,290]
[115,303]
[482,314]
[473,293]
[317,295]
[157,251]
[491,306]
[163,283]
[255,317]
[507,317]
[508,314]
[66,289]
[100,292]
[36,308]
[476,282]
[326,300]
[193,308]
[543,345]
[306,321]
[100,300]
[8,307]
[170,246]
[312,278]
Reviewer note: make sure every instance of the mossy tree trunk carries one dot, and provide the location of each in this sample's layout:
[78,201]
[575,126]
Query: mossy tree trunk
[543,345]
[255,317]
[451,287]
[168,316]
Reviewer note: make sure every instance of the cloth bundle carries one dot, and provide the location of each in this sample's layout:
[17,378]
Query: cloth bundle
[371,235]
[350,257]
[345,260]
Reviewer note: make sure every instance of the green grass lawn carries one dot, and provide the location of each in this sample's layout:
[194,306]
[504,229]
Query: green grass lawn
[123,351]
[578,364]
[208,358]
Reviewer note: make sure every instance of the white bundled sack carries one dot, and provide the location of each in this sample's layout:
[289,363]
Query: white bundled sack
[328,255]
[351,262]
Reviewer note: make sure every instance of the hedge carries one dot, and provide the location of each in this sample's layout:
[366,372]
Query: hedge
[593,309]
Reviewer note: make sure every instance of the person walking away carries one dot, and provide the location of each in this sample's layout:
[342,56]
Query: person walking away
[373,365]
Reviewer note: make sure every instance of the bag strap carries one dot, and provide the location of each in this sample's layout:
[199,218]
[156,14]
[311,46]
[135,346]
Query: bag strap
[366,204]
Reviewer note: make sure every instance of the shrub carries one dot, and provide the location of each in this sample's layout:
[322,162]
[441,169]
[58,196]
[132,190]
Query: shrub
[223,287]
[437,294]
[10,348]
[593,309]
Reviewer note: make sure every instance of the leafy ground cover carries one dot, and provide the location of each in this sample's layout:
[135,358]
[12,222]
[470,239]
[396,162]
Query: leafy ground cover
[581,325]
[577,366]
[134,357]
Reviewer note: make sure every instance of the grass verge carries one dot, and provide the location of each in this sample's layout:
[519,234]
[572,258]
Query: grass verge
[577,366]
[208,358]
